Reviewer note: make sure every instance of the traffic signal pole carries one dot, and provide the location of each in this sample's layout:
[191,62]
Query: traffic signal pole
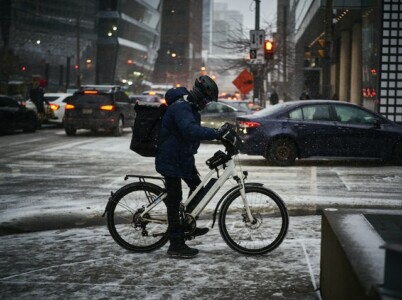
[257,70]
[326,74]
[257,14]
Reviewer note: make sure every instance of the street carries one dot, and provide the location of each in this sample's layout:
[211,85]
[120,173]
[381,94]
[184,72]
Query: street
[49,172]
[59,185]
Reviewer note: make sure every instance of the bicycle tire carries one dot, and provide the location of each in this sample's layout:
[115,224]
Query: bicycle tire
[254,239]
[136,236]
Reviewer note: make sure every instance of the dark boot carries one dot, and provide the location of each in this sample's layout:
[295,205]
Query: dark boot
[178,248]
[197,232]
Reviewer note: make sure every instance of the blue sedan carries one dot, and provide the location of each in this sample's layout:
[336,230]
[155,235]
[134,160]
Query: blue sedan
[300,129]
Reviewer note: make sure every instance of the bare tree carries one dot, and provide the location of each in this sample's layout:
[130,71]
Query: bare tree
[276,72]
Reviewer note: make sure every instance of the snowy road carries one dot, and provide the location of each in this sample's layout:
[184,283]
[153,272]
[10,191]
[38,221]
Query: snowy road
[87,264]
[50,181]
[48,173]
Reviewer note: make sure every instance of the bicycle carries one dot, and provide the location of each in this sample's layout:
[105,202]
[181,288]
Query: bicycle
[252,220]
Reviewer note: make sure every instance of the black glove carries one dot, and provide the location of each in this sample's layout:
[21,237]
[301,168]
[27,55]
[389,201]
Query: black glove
[229,138]
[224,129]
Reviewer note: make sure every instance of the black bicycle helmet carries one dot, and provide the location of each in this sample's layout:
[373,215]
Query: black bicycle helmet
[207,86]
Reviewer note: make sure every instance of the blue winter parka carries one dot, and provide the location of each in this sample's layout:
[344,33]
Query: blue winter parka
[179,139]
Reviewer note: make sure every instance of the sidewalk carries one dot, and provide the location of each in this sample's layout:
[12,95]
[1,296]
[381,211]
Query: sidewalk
[87,264]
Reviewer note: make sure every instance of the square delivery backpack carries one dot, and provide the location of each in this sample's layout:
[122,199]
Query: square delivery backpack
[146,129]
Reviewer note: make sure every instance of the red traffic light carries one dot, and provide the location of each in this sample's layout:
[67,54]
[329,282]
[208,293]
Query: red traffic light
[269,46]
[269,49]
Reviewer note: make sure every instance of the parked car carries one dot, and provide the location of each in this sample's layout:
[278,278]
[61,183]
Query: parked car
[157,93]
[299,129]
[215,114]
[146,99]
[55,109]
[15,116]
[97,107]
[57,103]
[42,118]
[242,105]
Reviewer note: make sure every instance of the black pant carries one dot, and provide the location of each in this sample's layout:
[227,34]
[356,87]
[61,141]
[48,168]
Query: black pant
[173,199]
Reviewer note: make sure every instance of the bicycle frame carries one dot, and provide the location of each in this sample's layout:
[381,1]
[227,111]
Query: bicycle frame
[229,171]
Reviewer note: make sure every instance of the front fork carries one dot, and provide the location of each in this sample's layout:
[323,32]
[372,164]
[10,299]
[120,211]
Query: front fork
[240,181]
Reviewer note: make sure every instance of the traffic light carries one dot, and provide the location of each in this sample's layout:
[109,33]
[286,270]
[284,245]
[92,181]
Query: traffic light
[269,49]
[321,50]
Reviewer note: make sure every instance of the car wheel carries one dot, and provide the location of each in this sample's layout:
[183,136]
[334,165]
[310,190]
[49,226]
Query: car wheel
[32,125]
[282,152]
[118,130]
[70,131]
[397,153]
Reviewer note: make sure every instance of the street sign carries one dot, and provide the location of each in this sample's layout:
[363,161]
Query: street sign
[258,58]
[253,53]
[244,82]
[257,39]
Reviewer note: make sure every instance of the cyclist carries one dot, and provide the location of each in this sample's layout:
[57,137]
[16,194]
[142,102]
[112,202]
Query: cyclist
[179,140]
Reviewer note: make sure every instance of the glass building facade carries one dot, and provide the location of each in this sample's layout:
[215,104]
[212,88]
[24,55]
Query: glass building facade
[75,42]
[180,54]
[365,53]
[390,63]
[128,39]
[49,38]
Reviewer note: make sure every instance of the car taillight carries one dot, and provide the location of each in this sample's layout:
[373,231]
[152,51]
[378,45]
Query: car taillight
[91,92]
[249,124]
[54,106]
[107,107]
[69,106]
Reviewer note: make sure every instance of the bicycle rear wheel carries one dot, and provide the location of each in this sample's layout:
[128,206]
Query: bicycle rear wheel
[268,230]
[126,226]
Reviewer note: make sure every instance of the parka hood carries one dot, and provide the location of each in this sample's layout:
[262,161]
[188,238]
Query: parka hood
[174,94]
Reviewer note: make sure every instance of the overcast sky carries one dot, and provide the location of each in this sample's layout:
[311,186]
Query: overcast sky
[247,8]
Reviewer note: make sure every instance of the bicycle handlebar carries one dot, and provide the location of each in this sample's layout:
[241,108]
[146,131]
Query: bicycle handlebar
[231,141]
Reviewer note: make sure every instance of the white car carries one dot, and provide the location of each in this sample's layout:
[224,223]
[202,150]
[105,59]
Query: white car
[57,103]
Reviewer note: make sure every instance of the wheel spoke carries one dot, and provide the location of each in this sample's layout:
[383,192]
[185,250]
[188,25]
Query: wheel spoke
[126,225]
[269,229]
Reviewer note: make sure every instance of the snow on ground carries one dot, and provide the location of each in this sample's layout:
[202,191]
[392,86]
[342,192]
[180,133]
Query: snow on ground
[86,263]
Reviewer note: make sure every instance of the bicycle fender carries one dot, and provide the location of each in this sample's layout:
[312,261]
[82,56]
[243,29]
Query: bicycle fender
[226,195]
[109,202]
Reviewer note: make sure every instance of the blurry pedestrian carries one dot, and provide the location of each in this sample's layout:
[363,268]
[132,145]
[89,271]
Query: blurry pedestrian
[304,96]
[37,96]
[274,99]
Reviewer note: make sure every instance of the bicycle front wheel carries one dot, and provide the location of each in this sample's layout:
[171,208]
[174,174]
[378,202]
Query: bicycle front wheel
[125,224]
[258,236]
